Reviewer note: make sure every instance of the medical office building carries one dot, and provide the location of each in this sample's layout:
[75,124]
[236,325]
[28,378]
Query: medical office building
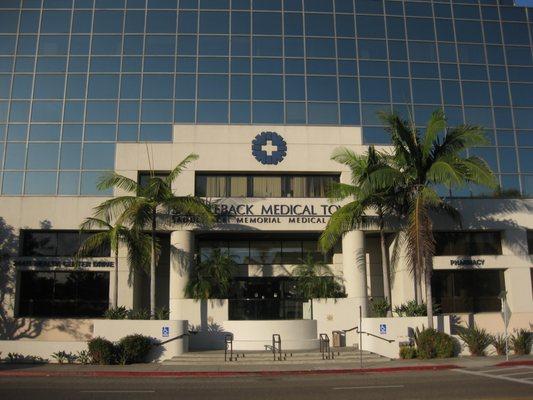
[263,91]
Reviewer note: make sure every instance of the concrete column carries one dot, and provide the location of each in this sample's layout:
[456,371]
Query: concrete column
[181,259]
[354,267]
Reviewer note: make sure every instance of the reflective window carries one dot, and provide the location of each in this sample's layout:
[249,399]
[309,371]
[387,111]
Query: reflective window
[224,185]
[63,294]
[468,291]
[468,243]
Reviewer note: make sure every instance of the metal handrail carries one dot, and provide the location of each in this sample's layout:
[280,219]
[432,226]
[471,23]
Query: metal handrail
[189,333]
[349,330]
[376,336]
[228,341]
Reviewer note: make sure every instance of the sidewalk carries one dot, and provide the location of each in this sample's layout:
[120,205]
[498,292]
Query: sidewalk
[234,369]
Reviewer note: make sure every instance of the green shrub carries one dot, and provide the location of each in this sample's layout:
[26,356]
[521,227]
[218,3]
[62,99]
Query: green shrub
[63,357]
[102,351]
[134,348]
[21,358]
[162,313]
[408,352]
[138,314]
[116,313]
[379,308]
[83,357]
[411,309]
[521,342]
[476,339]
[498,341]
[433,344]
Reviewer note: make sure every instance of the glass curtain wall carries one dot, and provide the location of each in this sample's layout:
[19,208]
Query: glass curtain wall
[78,76]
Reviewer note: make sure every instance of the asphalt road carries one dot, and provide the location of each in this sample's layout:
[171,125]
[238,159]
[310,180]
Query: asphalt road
[412,385]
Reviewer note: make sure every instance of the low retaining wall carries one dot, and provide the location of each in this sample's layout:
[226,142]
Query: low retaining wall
[38,348]
[161,330]
[399,329]
[257,335]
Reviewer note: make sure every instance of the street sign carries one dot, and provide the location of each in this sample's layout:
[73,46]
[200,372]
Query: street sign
[506,312]
[383,329]
[165,331]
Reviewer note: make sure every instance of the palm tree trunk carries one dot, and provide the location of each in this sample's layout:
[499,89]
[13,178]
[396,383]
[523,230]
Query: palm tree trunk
[385,269]
[115,294]
[429,295]
[152,267]
[418,288]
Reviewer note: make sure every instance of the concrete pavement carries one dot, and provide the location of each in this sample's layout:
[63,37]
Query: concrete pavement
[337,366]
[437,385]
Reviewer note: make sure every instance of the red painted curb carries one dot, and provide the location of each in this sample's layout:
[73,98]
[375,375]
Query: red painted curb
[513,363]
[213,374]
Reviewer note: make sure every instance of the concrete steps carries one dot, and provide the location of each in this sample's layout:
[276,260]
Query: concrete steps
[341,356]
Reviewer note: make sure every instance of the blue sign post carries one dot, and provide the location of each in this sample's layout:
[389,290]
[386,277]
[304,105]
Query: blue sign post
[383,329]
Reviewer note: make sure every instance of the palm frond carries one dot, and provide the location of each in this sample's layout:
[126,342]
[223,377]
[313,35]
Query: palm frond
[139,214]
[386,177]
[446,171]
[404,137]
[459,139]
[180,167]
[139,249]
[435,125]
[192,207]
[345,219]
[93,243]
[92,223]
[478,171]
[113,208]
[113,180]
[340,191]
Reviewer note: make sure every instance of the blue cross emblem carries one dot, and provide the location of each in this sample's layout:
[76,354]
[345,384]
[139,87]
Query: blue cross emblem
[269,148]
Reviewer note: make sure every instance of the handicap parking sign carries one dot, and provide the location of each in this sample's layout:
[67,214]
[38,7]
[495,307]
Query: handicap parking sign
[165,331]
[383,329]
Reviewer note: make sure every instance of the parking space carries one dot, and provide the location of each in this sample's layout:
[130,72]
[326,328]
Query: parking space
[519,374]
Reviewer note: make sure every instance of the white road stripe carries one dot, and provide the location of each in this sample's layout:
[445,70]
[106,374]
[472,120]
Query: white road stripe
[368,387]
[493,376]
[490,371]
[117,391]
[518,373]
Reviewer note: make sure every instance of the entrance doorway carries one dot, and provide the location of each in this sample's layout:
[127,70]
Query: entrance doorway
[267,298]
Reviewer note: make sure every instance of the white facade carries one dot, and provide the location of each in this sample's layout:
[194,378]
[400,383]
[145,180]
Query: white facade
[223,148]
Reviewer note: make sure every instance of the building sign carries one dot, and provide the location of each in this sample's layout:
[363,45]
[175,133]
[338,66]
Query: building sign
[269,213]
[383,329]
[64,263]
[269,148]
[467,262]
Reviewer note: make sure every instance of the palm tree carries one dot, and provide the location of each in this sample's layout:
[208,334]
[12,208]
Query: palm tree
[365,197]
[211,278]
[315,280]
[145,205]
[420,164]
[138,244]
